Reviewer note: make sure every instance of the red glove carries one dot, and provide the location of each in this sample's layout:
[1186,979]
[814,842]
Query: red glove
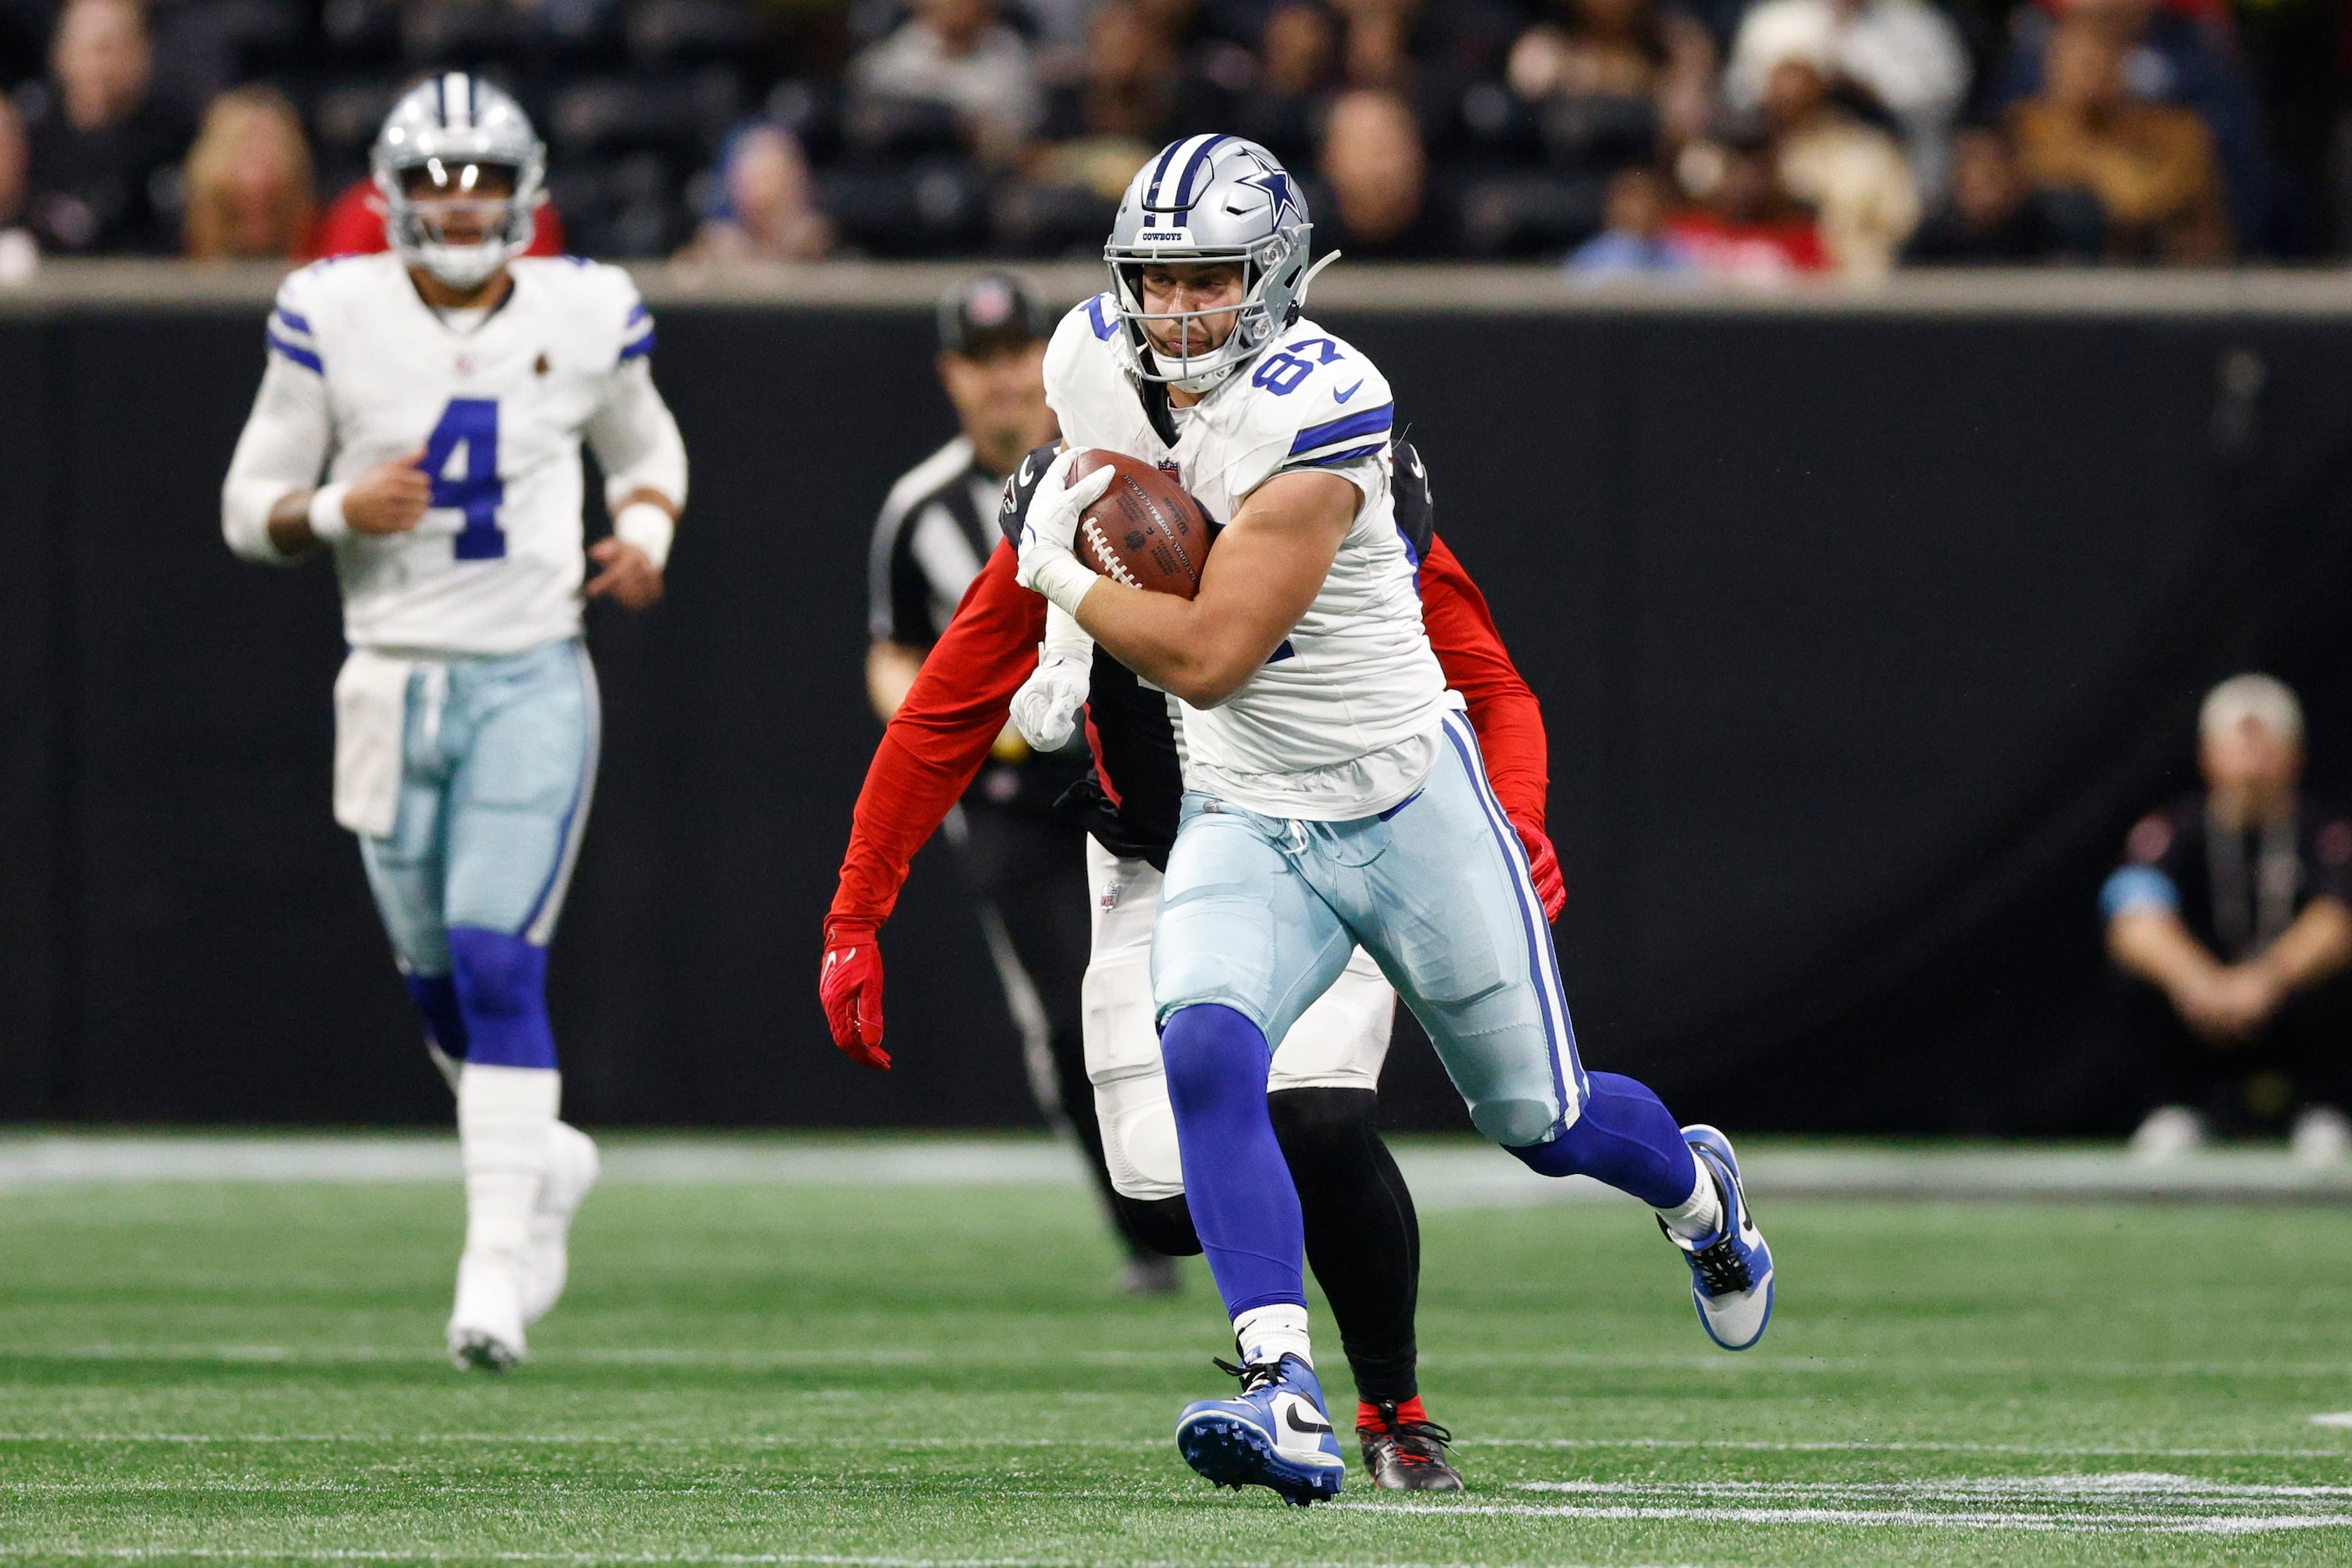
[850,986]
[1543,870]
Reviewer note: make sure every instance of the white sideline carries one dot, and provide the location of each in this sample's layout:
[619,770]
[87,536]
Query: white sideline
[1445,1173]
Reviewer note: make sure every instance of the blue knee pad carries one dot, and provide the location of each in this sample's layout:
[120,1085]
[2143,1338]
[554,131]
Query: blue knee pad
[1236,1183]
[501,984]
[436,1000]
[1626,1138]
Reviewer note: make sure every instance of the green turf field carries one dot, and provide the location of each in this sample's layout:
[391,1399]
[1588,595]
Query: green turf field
[934,1372]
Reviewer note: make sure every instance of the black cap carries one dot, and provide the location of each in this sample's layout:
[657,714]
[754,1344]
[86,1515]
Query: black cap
[990,312]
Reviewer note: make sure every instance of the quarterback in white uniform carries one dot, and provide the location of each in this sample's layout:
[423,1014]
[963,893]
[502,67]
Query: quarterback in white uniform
[1334,795]
[420,417]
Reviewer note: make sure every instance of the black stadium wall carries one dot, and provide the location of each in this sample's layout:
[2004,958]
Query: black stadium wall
[1863,635]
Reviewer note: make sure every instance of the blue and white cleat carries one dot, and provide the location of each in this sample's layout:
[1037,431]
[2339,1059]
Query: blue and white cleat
[1276,1435]
[1731,1272]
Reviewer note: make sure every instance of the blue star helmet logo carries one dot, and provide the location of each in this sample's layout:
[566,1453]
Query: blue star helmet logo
[1275,183]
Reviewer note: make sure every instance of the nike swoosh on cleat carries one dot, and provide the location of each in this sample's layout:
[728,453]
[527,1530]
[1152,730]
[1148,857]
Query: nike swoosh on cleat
[1290,1414]
[1343,396]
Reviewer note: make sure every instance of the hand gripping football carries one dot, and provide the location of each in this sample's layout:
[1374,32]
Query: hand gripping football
[1146,532]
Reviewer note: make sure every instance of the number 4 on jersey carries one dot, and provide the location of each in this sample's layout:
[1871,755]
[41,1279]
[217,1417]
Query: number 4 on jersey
[478,491]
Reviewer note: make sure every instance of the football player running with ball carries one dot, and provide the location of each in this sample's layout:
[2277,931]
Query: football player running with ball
[1362,1237]
[1335,797]
[442,392]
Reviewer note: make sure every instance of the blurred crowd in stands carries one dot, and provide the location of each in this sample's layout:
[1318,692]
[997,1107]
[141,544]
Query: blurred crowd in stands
[1682,136]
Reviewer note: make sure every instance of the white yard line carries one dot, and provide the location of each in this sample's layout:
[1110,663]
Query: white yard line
[2070,1523]
[1445,1173]
[754,1359]
[835,1438]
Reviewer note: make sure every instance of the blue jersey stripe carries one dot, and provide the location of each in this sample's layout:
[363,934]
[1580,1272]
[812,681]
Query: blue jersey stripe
[639,314]
[1347,457]
[637,350]
[300,357]
[293,320]
[1362,423]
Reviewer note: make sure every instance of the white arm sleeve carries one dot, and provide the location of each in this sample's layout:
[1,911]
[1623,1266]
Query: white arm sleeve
[636,438]
[1064,636]
[284,450]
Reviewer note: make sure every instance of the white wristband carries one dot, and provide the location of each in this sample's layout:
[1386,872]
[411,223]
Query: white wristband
[649,528]
[1064,580]
[328,523]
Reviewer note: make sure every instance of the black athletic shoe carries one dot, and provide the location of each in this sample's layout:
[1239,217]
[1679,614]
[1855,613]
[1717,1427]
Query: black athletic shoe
[1407,1455]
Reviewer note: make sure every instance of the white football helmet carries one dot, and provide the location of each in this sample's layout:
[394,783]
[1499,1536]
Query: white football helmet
[454,125]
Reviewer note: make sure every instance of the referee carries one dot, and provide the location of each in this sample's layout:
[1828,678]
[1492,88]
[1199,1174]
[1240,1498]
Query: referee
[1027,864]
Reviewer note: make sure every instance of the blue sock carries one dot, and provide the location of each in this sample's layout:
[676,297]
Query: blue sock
[436,998]
[501,983]
[1625,1137]
[1235,1181]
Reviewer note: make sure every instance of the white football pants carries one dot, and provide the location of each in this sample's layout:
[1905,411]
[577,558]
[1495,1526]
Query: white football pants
[1339,1042]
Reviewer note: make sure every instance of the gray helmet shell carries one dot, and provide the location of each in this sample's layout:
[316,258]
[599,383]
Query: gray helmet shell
[454,119]
[1209,199]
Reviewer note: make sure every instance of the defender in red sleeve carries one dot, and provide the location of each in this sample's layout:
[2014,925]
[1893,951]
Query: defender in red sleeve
[1362,1237]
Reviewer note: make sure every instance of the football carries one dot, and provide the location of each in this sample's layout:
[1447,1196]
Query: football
[1147,531]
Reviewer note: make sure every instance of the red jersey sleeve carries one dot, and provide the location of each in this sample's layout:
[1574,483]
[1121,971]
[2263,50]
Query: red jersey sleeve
[352,227]
[939,739]
[1506,714]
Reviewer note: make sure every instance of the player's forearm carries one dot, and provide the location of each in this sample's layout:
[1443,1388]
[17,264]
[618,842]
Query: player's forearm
[2317,945]
[2153,944]
[1201,653]
[1263,575]
[263,521]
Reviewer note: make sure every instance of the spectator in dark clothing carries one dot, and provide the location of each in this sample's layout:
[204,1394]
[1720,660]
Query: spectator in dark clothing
[1279,102]
[102,148]
[1623,63]
[1376,171]
[2230,917]
[2174,58]
[1993,217]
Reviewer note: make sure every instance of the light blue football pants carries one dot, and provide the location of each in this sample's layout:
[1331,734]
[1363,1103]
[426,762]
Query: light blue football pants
[1259,914]
[499,759]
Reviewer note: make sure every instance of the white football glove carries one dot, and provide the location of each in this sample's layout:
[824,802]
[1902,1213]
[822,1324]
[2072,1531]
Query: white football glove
[1048,566]
[1047,708]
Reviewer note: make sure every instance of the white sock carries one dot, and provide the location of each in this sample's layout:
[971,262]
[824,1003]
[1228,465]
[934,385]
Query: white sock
[503,1118]
[1269,1333]
[1701,1214]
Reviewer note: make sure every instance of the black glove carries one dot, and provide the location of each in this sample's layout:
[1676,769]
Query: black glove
[1020,488]
[1416,519]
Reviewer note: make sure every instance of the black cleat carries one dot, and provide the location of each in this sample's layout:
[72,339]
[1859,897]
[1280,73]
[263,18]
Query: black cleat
[1407,1455]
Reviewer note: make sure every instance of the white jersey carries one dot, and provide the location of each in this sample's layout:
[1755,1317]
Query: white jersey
[1344,721]
[362,371]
